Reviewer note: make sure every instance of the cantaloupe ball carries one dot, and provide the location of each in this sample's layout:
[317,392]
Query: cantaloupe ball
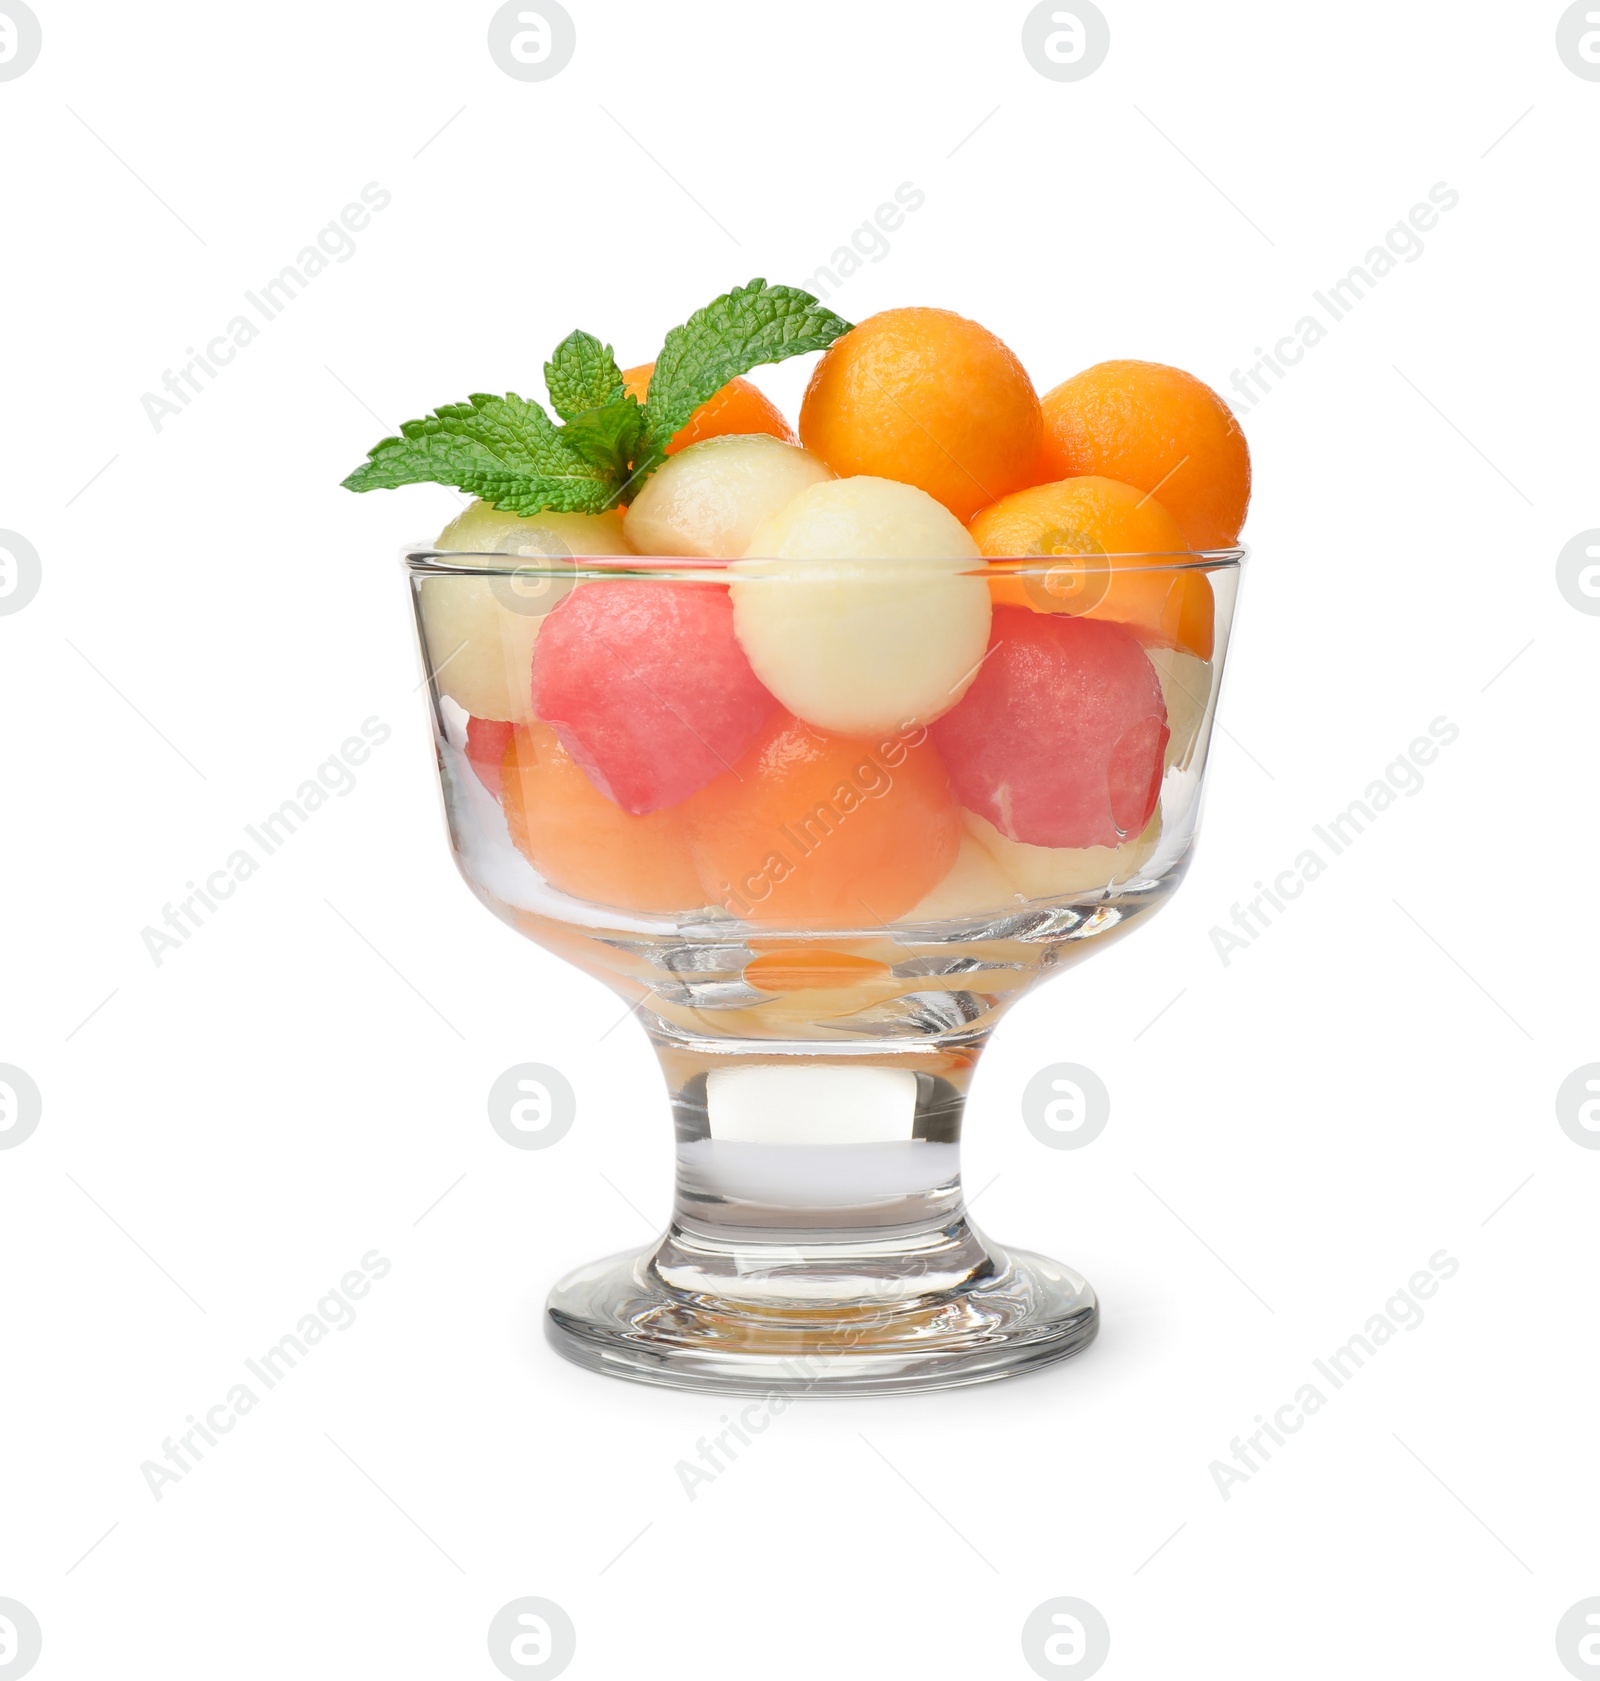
[927,397]
[975,884]
[480,631]
[1185,687]
[709,498]
[854,609]
[1048,872]
[1158,429]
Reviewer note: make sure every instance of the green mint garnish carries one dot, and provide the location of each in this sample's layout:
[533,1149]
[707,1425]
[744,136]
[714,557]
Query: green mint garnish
[509,452]
[582,374]
[607,438]
[742,329]
[503,449]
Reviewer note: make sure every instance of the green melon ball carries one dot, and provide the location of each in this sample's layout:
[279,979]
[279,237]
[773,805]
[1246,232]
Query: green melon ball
[708,500]
[479,632]
[859,613]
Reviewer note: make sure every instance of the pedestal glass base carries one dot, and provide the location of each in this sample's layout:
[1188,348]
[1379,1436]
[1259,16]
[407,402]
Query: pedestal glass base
[621,1317]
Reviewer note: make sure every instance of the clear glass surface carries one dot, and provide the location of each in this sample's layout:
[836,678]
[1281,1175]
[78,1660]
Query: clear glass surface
[816,1029]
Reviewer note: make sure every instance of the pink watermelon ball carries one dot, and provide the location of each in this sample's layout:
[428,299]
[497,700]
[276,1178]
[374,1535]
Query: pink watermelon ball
[487,740]
[648,688]
[1060,738]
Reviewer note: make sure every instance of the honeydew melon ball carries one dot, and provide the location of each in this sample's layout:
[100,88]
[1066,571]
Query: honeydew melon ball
[1048,872]
[853,608]
[709,498]
[975,884]
[482,528]
[479,632]
[1185,687]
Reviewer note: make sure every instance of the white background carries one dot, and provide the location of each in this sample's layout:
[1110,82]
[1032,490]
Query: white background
[300,1083]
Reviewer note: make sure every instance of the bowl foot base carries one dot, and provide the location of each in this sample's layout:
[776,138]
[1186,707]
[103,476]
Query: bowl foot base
[1020,1312]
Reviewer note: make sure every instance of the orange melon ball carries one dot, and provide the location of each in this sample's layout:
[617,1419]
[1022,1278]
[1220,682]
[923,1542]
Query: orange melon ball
[931,399]
[1160,430]
[737,408]
[806,969]
[815,831]
[582,843]
[1091,518]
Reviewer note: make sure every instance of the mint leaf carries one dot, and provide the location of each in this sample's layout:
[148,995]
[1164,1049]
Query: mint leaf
[511,454]
[742,329]
[582,374]
[504,449]
[607,437]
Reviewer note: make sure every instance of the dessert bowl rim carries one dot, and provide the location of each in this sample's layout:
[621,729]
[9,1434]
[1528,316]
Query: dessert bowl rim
[423,560]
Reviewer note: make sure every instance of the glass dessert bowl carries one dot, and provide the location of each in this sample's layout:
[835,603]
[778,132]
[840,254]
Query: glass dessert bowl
[820,824]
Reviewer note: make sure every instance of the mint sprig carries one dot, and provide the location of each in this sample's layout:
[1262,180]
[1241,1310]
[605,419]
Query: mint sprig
[582,374]
[607,438]
[504,449]
[508,451]
[741,330]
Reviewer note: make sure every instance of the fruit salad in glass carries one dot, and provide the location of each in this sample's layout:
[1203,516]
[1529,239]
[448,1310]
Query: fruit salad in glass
[820,750]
